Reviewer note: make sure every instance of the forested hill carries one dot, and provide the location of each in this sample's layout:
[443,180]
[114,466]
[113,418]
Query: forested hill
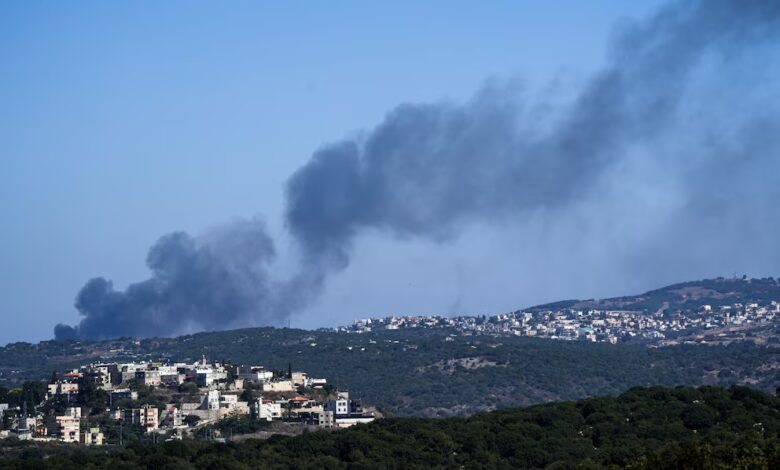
[428,372]
[644,428]
[438,372]
[685,295]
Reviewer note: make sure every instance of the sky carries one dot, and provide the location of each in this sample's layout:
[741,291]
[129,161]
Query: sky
[124,121]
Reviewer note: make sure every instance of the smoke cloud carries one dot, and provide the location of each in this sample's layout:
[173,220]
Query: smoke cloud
[666,158]
[216,281]
[429,169]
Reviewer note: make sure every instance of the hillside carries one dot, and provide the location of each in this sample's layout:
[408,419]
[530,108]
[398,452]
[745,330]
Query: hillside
[643,428]
[686,295]
[443,372]
[428,372]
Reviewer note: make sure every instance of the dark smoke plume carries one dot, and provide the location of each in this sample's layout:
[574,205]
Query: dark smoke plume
[212,282]
[666,159]
[428,169]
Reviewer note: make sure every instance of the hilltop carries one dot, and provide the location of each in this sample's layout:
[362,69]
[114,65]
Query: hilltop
[684,296]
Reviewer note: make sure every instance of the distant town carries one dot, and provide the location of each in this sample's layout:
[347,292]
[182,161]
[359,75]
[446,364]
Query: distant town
[663,327]
[170,401]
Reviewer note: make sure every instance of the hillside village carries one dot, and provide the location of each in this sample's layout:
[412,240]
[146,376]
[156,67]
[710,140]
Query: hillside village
[169,401]
[590,324]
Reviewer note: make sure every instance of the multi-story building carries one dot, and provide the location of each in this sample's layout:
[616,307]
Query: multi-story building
[149,377]
[267,409]
[346,412]
[256,375]
[65,428]
[146,416]
[326,419]
[63,388]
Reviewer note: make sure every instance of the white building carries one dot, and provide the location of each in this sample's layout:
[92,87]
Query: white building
[257,375]
[150,378]
[315,383]
[63,388]
[267,410]
[228,401]
[339,406]
[326,419]
[66,428]
[93,437]
[212,400]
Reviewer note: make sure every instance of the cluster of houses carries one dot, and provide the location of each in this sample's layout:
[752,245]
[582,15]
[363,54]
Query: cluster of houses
[198,394]
[597,325]
[65,427]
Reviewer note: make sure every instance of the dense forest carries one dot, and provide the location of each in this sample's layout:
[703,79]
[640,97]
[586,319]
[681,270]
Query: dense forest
[643,428]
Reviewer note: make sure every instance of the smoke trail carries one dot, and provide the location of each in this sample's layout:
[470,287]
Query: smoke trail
[664,160]
[428,169]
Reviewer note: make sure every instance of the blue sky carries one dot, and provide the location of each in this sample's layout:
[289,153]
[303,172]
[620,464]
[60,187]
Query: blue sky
[122,121]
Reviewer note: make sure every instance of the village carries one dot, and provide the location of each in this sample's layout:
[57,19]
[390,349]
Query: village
[584,324]
[172,401]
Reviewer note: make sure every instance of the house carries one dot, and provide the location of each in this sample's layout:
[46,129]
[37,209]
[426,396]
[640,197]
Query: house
[212,400]
[339,406]
[65,428]
[127,371]
[171,375]
[63,388]
[150,378]
[26,427]
[207,376]
[256,375]
[172,416]
[299,401]
[326,419]
[279,386]
[123,394]
[93,437]
[236,384]
[145,416]
[228,401]
[104,376]
[346,412]
[267,410]
[299,378]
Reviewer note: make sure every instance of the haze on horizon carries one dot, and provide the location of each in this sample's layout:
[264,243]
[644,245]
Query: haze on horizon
[332,162]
